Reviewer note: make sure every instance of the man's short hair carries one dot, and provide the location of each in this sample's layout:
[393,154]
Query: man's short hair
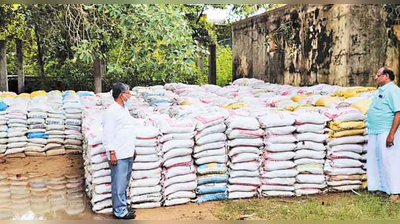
[118,88]
[389,72]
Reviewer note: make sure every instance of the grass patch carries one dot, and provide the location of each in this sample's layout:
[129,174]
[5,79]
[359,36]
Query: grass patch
[343,206]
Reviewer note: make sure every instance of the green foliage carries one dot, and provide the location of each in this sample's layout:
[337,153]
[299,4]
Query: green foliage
[247,10]
[141,44]
[224,65]
[151,42]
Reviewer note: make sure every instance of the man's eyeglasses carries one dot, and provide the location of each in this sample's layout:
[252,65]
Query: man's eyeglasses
[126,94]
[380,75]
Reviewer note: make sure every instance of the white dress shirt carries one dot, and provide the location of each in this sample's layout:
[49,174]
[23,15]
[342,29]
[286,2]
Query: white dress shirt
[119,132]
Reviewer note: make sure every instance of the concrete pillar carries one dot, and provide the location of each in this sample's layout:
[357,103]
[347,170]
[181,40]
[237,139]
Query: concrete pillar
[212,64]
[99,69]
[3,67]
[20,63]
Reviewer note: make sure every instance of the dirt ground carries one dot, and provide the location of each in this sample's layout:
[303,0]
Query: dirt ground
[53,166]
[73,164]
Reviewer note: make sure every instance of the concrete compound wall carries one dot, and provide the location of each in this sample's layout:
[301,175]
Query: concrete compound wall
[304,45]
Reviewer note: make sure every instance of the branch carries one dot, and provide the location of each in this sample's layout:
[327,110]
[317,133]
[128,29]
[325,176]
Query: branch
[120,50]
[201,14]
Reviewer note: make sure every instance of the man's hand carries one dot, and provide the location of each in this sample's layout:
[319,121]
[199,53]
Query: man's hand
[134,155]
[389,141]
[113,158]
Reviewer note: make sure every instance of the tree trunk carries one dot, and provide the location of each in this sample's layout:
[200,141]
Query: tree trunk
[99,69]
[40,54]
[200,60]
[3,67]
[212,64]
[20,62]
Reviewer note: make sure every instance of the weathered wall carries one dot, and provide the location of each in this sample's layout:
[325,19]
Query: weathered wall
[310,44]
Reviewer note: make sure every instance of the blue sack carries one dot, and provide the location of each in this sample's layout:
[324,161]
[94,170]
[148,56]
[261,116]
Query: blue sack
[222,178]
[145,97]
[85,93]
[210,189]
[212,197]
[3,106]
[37,135]
[158,101]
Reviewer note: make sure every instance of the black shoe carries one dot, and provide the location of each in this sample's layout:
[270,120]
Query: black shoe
[131,210]
[130,215]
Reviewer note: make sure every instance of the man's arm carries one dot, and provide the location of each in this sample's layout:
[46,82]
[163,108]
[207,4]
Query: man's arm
[108,137]
[393,130]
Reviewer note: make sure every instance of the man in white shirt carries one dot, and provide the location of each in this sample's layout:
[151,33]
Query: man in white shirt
[119,141]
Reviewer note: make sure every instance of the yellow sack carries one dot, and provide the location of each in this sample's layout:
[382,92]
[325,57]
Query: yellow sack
[353,91]
[346,133]
[325,101]
[348,125]
[186,102]
[305,107]
[7,95]
[364,185]
[297,98]
[23,95]
[235,106]
[38,93]
[308,166]
[344,177]
[292,106]
[364,177]
[58,92]
[362,105]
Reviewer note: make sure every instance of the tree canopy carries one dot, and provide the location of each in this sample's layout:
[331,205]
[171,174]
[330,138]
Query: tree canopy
[141,44]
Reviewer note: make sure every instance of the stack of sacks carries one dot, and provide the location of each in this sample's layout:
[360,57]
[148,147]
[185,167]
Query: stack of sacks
[98,177]
[248,82]
[364,162]
[362,104]
[17,127]
[106,99]
[278,169]
[3,128]
[210,151]
[57,190]
[20,193]
[73,114]
[211,88]
[37,137]
[75,194]
[55,125]
[245,141]
[136,106]
[145,189]
[310,152]
[97,168]
[345,148]
[156,99]
[89,102]
[278,102]
[99,174]
[5,196]
[178,169]
[39,193]
[88,99]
